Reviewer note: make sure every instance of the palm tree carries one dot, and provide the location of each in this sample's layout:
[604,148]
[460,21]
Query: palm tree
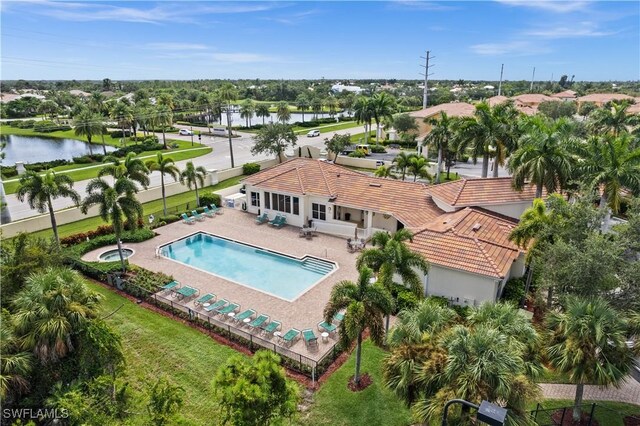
[164,119]
[41,190]
[121,112]
[331,104]
[384,172]
[51,311]
[96,103]
[382,107]
[246,110]
[88,125]
[193,176]
[316,107]
[419,166]
[587,340]
[283,112]
[166,167]
[15,363]
[132,168]
[363,113]
[439,137]
[365,305]
[615,120]
[402,162]
[165,99]
[303,104]
[228,94]
[391,257]
[117,203]
[543,157]
[262,110]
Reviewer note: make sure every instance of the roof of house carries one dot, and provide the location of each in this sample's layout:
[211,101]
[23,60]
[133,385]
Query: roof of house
[79,93]
[408,202]
[635,108]
[453,109]
[532,98]
[497,100]
[472,239]
[567,94]
[604,97]
[480,192]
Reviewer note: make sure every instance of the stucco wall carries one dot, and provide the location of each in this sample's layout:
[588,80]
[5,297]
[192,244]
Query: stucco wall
[513,210]
[460,285]
[380,222]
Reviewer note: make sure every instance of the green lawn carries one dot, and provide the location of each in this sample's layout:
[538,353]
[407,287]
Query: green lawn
[606,413]
[359,137]
[175,203]
[334,404]
[327,128]
[156,346]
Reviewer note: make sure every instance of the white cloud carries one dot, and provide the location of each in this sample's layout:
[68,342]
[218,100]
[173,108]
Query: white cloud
[176,46]
[582,29]
[514,48]
[242,58]
[424,5]
[554,6]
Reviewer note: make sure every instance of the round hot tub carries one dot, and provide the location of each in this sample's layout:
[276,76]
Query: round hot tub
[113,256]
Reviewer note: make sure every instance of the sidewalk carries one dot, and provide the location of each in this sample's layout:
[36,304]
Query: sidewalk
[628,392]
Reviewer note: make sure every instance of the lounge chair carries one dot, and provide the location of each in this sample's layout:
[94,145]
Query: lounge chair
[275,220]
[173,285]
[208,212]
[197,215]
[279,223]
[328,327]
[186,292]
[215,306]
[258,321]
[205,299]
[244,315]
[215,209]
[290,337]
[271,328]
[231,307]
[262,219]
[310,338]
[188,220]
[338,317]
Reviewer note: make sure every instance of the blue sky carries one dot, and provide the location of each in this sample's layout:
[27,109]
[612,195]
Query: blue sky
[192,40]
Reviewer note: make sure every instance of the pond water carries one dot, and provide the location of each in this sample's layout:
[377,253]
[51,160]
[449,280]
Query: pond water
[33,149]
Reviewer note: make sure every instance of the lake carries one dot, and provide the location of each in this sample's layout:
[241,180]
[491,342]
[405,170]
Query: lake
[33,149]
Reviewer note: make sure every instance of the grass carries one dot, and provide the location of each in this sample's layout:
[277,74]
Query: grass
[175,203]
[155,346]
[551,376]
[326,128]
[334,404]
[359,137]
[607,413]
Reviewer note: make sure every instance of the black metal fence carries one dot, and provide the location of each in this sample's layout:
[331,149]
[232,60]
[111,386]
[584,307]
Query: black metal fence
[595,414]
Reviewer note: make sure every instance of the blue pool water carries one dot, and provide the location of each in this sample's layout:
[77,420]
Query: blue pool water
[273,273]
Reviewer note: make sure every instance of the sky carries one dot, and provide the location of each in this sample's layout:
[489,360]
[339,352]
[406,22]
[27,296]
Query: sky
[185,40]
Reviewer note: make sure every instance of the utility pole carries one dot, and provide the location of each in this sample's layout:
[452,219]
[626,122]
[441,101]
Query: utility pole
[500,84]
[229,132]
[532,77]
[425,94]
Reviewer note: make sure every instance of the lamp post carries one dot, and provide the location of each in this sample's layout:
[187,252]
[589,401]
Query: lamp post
[191,131]
[488,413]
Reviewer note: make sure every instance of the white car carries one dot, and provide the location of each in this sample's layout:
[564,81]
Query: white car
[185,132]
[313,133]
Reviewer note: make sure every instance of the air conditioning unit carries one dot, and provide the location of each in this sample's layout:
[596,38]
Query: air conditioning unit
[468,302]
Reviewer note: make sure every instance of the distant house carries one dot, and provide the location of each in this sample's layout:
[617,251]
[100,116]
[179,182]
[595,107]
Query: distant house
[338,88]
[79,93]
[497,100]
[567,95]
[461,227]
[602,98]
[452,109]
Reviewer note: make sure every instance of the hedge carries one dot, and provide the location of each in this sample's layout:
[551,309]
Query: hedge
[250,168]
[210,198]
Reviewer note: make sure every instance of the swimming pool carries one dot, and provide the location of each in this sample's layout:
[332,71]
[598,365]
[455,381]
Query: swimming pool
[273,273]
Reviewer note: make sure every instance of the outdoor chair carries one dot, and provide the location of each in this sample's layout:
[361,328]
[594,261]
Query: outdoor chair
[186,292]
[328,327]
[275,220]
[231,307]
[258,321]
[271,328]
[290,337]
[204,299]
[208,212]
[197,215]
[338,317]
[264,218]
[280,223]
[244,315]
[215,209]
[173,285]
[218,305]
[310,339]
[188,220]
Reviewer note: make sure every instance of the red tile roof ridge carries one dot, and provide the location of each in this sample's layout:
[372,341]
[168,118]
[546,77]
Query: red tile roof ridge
[324,178]
[300,180]
[274,176]
[487,257]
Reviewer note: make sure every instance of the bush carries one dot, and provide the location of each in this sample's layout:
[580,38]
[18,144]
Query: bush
[357,154]
[50,126]
[148,144]
[514,290]
[85,159]
[8,171]
[377,149]
[146,279]
[250,168]
[79,245]
[439,300]
[210,198]
[24,124]
[406,299]
[118,134]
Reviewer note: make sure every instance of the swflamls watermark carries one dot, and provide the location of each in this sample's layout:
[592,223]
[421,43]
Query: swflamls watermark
[34,413]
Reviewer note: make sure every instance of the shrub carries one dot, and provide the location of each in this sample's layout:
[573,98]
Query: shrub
[377,149]
[85,159]
[118,133]
[8,171]
[406,299]
[250,168]
[439,300]
[357,154]
[514,290]
[210,198]
[146,279]
[24,124]
[147,145]
[79,244]
[49,126]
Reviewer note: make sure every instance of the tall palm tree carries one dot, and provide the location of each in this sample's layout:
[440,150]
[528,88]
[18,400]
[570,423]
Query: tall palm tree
[331,104]
[614,120]
[50,312]
[247,108]
[402,162]
[439,137]
[365,305]
[543,156]
[390,256]
[363,113]
[316,107]
[419,166]
[96,103]
[384,172]
[262,110]
[587,340]
[303,104]
[193,176]
[121,112]
[382,107]
[117,203]
[166,166]
[41,190]
[88,125]
[15,363]
[283,112]
[131,167]
[164,119]
[227,94]
[165,99]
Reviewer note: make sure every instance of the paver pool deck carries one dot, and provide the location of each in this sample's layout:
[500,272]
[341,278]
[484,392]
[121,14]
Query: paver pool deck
[302,313]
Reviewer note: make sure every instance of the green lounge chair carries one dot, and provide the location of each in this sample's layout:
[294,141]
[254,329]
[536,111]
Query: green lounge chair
[271,328]
[258,321]
[218,305]
[188,220]
[290,337]
[338,317]
[244,315]
[310,338]
[208,212]
[197,215]
[231,307]
[281,223]
[171,286]
[205,299]
[186,292]
[327,326]
[262,219]
[275,220]
[215,209]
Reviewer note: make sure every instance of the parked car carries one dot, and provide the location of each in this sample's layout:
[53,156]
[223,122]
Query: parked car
[185,132]
[313,133]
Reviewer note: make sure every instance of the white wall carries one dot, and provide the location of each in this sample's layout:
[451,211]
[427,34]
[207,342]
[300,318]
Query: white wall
[460,285]
[513,210]
[379,222]
[444,206]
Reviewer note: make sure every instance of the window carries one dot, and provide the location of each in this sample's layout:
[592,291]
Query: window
[255,199]
[296,206]
[319,211]
[267,201]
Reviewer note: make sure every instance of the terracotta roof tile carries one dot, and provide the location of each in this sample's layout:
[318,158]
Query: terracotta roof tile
[453,109]
[478,192]
[604,97]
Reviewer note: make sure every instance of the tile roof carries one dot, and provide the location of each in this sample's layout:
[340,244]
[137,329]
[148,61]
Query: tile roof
[532,98]
[479,192]
[453,109]
[604,97]
[497,100]
[472,239]
[567,94]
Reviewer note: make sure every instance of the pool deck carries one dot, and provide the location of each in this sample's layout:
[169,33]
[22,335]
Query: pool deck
[302,313]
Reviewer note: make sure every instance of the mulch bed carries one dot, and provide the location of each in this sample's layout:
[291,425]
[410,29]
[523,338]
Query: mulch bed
[632,420]
[365,382]
[568,419]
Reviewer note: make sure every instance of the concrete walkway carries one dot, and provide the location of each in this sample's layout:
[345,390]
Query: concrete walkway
[628,392]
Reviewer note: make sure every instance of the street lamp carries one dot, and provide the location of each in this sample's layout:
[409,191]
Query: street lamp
[488,413]
[191,131]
